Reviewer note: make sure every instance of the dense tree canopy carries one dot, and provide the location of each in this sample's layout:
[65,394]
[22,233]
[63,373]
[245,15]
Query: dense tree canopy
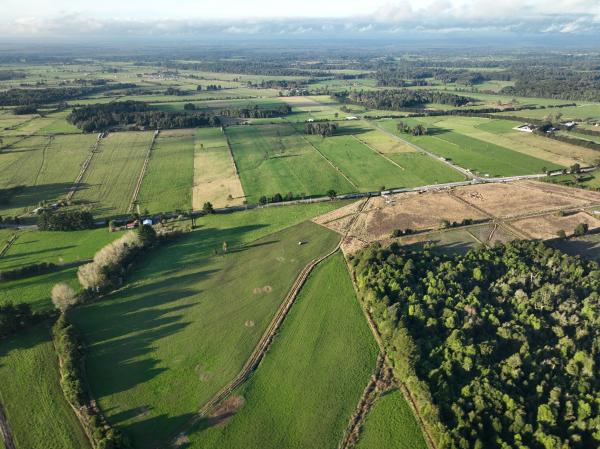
[100,117]
[401,98]
[501,345]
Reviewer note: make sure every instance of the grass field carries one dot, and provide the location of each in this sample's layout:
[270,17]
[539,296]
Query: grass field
[111,177]
[276,159]
[479,156]
[45,167]
[55,247]
[391,425]
[579,112]
[310,381]
[368,170]
[501,132]
[188,318]
[585,180]
[167,184]
[37,412]
[587,246]
[215,177]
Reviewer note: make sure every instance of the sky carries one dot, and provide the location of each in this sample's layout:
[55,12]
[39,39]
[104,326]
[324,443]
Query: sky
[31,18]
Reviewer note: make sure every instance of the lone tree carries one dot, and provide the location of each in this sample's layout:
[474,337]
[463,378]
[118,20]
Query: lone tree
[208,208]
[581,229]
[331,193]
[147,235]
[63,297]
[561,234]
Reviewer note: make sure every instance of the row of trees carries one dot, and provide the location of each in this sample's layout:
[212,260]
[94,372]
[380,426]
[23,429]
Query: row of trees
[251,111]
[69,220]
[101,117]
[20,97]
[417,130]
[15,317]
[399,99]
[499,346]
[324,129]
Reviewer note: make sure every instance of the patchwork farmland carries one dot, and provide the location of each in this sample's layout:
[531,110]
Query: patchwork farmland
[227,272]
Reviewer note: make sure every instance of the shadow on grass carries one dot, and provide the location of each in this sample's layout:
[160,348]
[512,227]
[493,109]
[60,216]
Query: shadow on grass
[24,339]
[31,196]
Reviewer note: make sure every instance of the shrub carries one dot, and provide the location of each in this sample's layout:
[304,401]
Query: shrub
[63,297]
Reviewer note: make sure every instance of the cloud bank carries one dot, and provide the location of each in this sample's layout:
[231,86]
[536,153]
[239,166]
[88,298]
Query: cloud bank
[392,18]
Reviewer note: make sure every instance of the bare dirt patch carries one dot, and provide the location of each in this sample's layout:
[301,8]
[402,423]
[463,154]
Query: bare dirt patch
[521,198]
[547,226]
[516,201]
[225,411]
[249,323]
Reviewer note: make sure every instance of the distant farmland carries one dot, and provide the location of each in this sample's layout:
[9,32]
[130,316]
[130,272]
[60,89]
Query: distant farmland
[276,159]
[167,183]
[111,177]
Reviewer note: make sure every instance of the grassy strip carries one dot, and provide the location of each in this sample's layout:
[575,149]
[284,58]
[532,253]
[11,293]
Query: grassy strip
[391,424]
[167,185]
[36,409]
[321,360]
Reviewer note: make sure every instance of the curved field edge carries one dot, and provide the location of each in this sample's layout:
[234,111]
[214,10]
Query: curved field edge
[307,386]
[391,424]
[189,320]
[36,410]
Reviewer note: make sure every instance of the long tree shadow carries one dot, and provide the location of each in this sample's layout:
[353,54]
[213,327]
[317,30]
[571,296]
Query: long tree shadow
[31,196]
[24,339]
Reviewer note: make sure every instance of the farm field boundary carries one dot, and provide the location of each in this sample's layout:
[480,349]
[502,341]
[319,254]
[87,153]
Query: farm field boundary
[262,346]
[5,431]
[84,168]
[138,185]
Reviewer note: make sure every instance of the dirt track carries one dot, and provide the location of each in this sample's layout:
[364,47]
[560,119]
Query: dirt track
[5,431]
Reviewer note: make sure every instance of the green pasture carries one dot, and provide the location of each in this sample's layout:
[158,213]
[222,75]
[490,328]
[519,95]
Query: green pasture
[484,158]
[167,184]
[277,159]
[44,168]
[112,175]
[36,410]
[391,424]
[190,316]
[308,385]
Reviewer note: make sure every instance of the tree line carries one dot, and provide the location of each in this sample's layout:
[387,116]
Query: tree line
[21,97]
[323,129]
[101,117]
[499,346]
[398,99]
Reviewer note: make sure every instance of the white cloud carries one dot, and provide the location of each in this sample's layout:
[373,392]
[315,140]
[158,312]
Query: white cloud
[195,17]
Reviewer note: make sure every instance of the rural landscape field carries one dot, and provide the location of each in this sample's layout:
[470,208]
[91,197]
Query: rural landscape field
[274,237]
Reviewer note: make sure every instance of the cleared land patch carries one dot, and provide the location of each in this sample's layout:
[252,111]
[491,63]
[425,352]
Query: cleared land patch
[426,211]
[179,332]
[37,412]
[109,181]
[167,183]
[547,226]
[308,368]
[276,159]
[215,177]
